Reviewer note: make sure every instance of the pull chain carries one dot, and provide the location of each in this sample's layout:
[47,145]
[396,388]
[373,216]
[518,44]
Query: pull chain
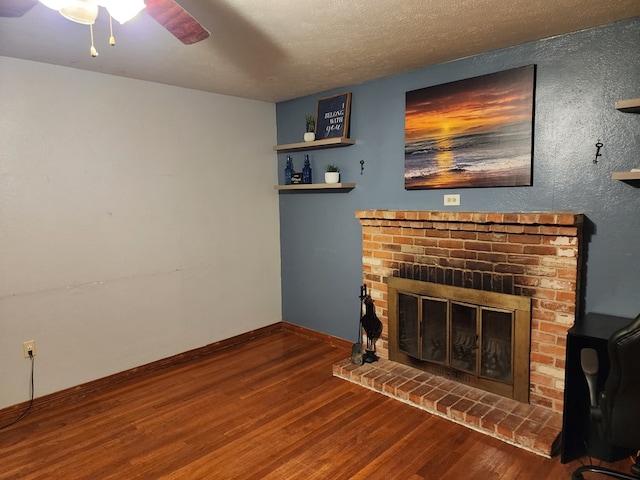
[92,50]
[112,40]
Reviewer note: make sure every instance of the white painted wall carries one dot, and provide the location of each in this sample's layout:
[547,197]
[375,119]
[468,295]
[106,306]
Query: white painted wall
[137,221]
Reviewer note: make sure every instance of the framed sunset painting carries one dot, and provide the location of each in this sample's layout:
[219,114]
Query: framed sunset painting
[476,132]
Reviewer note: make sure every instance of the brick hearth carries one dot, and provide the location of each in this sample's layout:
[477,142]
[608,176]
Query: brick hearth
[527,426]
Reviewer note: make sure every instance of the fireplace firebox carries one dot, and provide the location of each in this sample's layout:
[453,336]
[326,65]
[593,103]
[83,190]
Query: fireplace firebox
[476,337]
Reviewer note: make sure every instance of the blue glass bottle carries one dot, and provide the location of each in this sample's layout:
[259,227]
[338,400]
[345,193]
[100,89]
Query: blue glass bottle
[306,171]
[288,170]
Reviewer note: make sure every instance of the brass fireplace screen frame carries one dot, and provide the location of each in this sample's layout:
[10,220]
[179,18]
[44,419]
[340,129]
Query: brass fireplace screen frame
[518,388]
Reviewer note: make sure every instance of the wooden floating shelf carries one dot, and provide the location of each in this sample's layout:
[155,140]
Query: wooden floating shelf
[629,106]
[316,144]
[625,176]
[337,187]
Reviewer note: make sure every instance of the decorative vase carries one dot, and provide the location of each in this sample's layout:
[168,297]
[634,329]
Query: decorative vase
[331,177]
[288,170]
[309,136]
[306,171]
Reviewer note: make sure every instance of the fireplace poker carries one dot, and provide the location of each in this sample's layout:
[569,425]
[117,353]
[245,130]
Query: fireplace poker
[357,353]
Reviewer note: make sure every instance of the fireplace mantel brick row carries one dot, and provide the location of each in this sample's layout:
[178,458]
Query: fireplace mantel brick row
[534,254]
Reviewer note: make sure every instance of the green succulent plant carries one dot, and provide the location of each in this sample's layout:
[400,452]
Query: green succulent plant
[310,120]
[331,168]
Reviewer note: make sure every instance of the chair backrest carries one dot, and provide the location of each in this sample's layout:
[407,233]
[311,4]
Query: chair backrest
[621,406]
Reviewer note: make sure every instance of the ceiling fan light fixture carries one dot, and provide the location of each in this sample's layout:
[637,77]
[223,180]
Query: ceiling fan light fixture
[123,10]
[80,11]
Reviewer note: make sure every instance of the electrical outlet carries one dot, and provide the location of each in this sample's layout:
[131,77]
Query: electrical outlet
[452,199]
[29,346]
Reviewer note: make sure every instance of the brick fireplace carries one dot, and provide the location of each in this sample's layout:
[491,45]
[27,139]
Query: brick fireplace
[534,254]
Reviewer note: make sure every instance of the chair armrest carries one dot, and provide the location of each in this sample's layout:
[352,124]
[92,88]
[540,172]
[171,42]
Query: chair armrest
[590,367]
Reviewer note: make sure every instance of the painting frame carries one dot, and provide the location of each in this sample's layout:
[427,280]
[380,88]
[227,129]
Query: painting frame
[471,133]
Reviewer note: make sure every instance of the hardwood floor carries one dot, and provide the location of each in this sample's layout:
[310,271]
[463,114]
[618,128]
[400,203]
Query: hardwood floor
[266,409]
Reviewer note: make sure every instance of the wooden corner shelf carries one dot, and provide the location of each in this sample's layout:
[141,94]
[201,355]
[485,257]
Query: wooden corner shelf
[629,106]
[316,187]
[626,176]
[316,144]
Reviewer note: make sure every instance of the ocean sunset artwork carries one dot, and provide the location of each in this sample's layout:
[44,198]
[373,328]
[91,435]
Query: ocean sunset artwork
[476,132]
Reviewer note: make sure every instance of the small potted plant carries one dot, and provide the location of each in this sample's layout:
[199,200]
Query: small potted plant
[331,173]
[310,132]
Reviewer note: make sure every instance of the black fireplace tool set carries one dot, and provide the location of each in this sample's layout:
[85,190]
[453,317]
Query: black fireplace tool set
[372,327]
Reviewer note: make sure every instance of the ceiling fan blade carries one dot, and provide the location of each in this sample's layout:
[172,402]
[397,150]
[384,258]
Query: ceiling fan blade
[176,20]
[15,8]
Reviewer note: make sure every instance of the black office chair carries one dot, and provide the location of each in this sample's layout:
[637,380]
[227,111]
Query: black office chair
[616,410]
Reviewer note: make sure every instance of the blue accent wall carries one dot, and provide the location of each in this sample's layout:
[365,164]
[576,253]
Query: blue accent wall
[579,77]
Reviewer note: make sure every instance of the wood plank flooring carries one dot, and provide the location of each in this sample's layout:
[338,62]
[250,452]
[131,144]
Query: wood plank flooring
[266,409]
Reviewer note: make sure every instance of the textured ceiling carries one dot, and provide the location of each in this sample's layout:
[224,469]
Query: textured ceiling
[278,50]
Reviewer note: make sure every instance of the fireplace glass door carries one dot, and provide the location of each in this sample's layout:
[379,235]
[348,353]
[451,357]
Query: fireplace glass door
[435,345]
[408,326]
[497,338]
[470,338]
[422,328]
[464,337]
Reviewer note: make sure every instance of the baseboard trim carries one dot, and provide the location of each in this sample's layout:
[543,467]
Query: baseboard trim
[323,337]
[9,414]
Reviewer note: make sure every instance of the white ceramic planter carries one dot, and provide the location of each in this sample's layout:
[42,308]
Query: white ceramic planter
[331,177]
[309,137]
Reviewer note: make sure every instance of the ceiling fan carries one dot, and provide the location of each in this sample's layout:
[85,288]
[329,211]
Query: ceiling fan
[166,12]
